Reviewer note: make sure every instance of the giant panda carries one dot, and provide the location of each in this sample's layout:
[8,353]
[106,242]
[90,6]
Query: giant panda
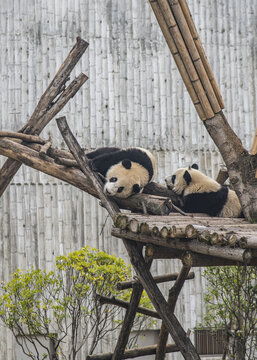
[125,171]
[201,194]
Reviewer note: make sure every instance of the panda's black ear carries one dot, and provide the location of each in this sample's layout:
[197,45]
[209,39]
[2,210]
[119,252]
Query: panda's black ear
[187,177]
[126,163]
[195,166]
[136,188]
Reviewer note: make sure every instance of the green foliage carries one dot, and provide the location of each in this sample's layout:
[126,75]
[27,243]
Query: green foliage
[65,302]
[231,304]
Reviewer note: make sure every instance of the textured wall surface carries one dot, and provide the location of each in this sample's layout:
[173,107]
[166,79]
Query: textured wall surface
[134,96]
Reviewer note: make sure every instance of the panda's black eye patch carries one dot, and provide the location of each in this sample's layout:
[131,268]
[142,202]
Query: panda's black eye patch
[113,179]
[120,189]
[173,179]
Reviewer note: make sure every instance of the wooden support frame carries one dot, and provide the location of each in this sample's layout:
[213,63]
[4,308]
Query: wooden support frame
[51,102]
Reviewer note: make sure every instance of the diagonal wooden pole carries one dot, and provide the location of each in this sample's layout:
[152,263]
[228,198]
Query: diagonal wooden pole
[49,106]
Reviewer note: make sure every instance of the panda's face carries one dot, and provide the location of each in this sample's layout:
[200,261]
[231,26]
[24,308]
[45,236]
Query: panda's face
[179,180]
[125,179]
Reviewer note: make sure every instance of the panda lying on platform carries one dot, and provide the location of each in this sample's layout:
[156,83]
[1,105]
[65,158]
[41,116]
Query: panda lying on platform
[201,194]
[126,171]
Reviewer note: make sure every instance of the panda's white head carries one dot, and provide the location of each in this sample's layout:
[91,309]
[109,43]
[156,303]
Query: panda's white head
[125,179]
[190,180]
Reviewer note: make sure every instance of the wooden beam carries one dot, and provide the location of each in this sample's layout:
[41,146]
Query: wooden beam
[175,329]
[134,353]
[237,254]
[158,279]
[172,299]
[125,305]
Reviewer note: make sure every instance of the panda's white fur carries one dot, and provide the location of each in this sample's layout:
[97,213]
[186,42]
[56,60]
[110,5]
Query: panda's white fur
[203,194]
[126,171]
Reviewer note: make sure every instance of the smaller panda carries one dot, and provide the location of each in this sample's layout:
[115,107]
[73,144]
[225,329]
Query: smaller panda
[125,171]
[201,194]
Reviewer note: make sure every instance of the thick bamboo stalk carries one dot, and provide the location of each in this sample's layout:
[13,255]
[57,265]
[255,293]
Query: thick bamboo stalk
[158,279]
[189,65]
[125,305]
[193,51]
[201,51]
[134,353]
[177,58]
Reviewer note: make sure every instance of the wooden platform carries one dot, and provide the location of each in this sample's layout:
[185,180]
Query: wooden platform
[211,240]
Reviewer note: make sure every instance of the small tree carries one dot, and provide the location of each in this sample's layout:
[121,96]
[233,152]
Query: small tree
[64,304]
[231,305]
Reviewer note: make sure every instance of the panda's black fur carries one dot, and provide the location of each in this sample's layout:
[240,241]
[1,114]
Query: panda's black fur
[125,171]
[104,158]
[202,194]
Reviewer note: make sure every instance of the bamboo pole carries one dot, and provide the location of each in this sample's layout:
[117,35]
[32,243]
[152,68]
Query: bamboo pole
[177,58]
[201,51]
[185,56]
[193,51]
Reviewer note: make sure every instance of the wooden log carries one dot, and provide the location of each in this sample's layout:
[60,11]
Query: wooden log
[129,319]
[201,51]
[158,279]
[45,105]
[44,150]
[198,260]
[125,305]
[164,232]
[121,221]
[74,176]
[181,47]
[161,190]
[134,353]
[23,137]
[193,51]
[175,329]
[66,162]
[237,254]
[158,252]
[84,165]
[177,58]
[222,176]
[144,228]
[248,241]
[134,225]
[172,299]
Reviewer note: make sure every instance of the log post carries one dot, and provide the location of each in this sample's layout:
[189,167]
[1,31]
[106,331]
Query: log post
[172,299]
[179,336]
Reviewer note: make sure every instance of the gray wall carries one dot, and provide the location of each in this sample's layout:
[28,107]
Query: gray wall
[134,96]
